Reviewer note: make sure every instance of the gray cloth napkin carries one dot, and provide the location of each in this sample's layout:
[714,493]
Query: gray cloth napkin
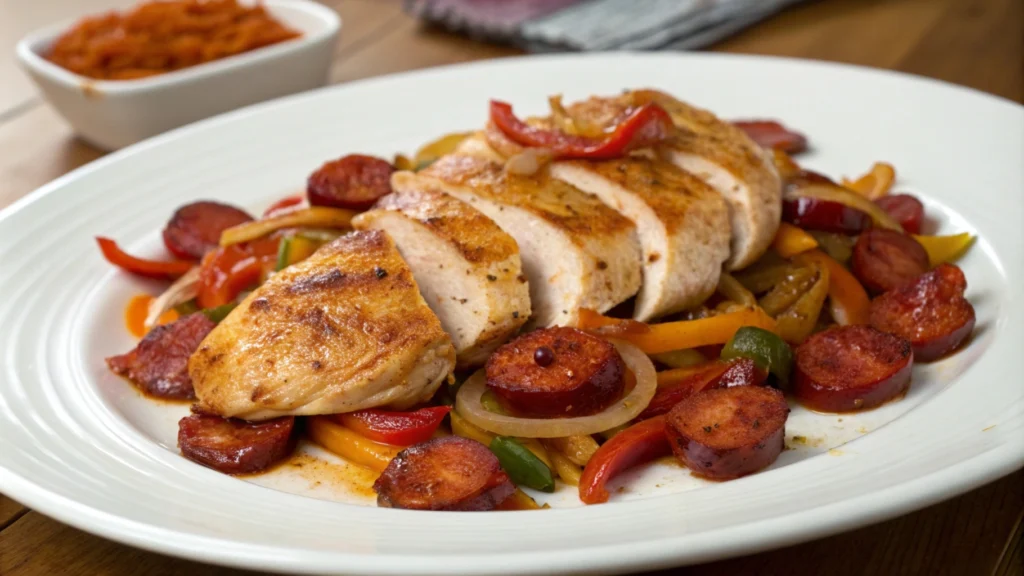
[585,25]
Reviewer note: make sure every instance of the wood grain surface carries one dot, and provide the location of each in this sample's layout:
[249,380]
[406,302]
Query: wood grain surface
[975,43]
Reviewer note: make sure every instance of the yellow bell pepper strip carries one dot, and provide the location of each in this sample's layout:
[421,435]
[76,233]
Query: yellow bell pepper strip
[444,145]
[578,448]
[942,249]
[466,429]
[350,445]
[566,469]
[667,336]
[731,289]
[520,500]
[314,217]
[848,301]
[875,183]
[294,249]
[796,323]
[791,240]
[679,358]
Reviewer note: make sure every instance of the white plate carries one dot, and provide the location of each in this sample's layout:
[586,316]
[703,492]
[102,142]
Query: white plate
[80,445]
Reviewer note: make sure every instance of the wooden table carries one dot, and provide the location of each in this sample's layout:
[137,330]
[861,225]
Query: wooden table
[977,43]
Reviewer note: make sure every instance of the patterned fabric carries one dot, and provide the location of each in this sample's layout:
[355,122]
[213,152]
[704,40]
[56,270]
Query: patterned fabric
[557,25]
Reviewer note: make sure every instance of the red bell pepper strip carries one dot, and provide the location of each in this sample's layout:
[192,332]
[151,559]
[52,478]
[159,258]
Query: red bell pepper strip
[225,272]
[771,134]
[164,270]
[715,374]
[635,445]
[284,205]
[644,126]
[396,428]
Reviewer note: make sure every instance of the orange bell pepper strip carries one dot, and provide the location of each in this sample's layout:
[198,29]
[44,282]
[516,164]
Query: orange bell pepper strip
[875,183]
[163,270]
[848,301]
[635,445]
[137,310]
[791,240]
[668,336]
[942,249]
[349,444]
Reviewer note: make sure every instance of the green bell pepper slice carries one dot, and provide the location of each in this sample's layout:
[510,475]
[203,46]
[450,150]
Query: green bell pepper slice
[767,350]
[521,465]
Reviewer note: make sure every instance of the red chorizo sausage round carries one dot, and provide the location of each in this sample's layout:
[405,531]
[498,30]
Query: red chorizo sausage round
[235,446]
[851,368]
[931,312]
[449,473]
[728,432]
[905,209]
[556,372]
[159,364]
[884,259]
[354,181]
[195,228]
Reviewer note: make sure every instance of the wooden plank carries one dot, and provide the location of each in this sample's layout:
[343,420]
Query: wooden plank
[38,546]
[37,147]
[964,536]
[9,511]
[979,43]
[1012,561]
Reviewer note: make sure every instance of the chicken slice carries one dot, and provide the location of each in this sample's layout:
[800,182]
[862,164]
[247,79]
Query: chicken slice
[716,152]
[683,225]
[576,252]
[345,329]
[467,268]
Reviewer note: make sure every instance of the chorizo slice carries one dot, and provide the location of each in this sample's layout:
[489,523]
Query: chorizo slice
[931,312]
[235,446]
[556,372]
[354,181]
[905,209]
[851,368]
[195,228]
[159,364]
[885,259]
[726,433]
[449,473]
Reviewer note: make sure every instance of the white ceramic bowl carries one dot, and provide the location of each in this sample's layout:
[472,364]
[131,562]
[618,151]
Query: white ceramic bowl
[114,114]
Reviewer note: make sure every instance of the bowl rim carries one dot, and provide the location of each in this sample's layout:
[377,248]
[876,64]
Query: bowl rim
[28,54]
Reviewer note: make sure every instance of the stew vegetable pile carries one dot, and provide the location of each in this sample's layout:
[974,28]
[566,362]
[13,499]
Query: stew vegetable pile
[847,293]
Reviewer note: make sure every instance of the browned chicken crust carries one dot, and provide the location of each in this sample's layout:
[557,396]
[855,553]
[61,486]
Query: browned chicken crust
[345,329]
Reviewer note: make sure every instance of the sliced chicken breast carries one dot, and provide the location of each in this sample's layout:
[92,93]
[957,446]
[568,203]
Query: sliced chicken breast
[467,268]
[716,152]
[576,252]
[683,226]
[345,329]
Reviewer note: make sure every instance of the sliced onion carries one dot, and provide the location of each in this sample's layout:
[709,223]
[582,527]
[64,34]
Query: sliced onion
[836,193]
[468,405]
[184,289]
[528,162]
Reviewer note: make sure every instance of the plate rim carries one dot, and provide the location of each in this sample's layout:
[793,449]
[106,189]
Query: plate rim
[941,484]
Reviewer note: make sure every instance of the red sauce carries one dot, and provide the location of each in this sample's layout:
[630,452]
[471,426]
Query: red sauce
[158,37]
